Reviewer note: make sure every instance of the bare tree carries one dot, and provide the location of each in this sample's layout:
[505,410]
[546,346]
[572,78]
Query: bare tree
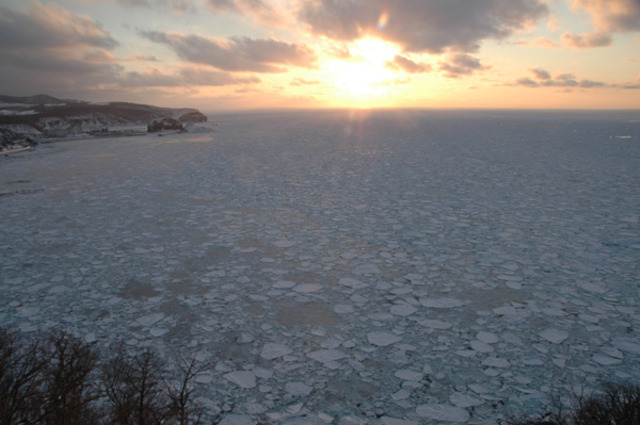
[68,393]
[182,408]
[133,386]
[21,368]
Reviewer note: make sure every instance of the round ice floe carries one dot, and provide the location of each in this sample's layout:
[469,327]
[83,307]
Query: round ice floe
[298,389]
[386,420]
[555,336]
[272,351]
[442,412]
[488,337]
[157,332]
[464,400]
[234,419]
[150,319]
[627,345]
[283,244]
[505,310]
[436,324]
[605,360]
[382,339]
[242,378]
[351,282]
[481,347]
[366,269]
[441,302]
[343,308]
[409,375]
[307,288]
[403,309]
[325,356]
[496,362]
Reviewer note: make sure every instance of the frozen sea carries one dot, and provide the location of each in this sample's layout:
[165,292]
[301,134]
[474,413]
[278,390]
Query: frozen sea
[344,267]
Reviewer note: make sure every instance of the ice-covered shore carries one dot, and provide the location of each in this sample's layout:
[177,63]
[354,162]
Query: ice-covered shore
[384,268]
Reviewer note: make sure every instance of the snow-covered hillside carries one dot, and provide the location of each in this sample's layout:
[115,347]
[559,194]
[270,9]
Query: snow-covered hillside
[45,116]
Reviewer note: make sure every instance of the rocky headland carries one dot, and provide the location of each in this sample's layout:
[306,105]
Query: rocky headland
[28,120]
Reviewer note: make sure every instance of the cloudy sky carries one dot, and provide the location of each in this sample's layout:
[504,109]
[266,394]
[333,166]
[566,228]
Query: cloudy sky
[237,54]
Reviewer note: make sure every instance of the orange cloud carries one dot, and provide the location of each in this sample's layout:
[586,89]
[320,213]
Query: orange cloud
[586,41]
[407,65]
[612,15]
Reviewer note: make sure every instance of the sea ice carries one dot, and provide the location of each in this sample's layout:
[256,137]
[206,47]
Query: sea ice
[553,335]
[388,420]
[307,288]
[272,351]
[442,412]
[298,389]
[242,378]
[382,339]
[346,256]
[235,419]
[441,302]
[326,356]
[409,375]
[464,400]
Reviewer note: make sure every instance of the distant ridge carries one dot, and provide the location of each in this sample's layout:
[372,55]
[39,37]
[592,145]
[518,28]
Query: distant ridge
[39,99]
[44,116]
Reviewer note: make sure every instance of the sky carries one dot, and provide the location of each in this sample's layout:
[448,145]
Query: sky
[255,54]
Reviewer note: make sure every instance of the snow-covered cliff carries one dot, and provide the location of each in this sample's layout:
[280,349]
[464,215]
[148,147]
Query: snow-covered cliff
[44,116]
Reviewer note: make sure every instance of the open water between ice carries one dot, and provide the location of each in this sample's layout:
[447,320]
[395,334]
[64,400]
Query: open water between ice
[393,268]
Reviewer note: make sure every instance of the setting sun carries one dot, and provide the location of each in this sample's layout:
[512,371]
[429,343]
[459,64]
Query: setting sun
[364,76]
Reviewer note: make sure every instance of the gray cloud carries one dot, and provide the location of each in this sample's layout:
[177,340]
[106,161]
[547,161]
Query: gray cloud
[54,75]
[423,25]
[407,65]
[586,41]
[203,77]
[152,78]
[542,78]
[185,77]
[50,26]
[461,64]
[53,50]
[257,8]
[236,54]
[178,6]
[541,74]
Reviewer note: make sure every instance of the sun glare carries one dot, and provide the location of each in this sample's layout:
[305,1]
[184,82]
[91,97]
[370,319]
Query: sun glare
[365,75]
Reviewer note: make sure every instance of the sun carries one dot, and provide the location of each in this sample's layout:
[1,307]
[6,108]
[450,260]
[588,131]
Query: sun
[364,76]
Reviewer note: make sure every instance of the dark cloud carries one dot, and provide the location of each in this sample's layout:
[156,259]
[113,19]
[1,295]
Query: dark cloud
[407,65]
[54,75]
[178,6]
[586,41]
[461,64]
[422,25]
[542,78]
[53,50]
[50,26]
[236,54]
